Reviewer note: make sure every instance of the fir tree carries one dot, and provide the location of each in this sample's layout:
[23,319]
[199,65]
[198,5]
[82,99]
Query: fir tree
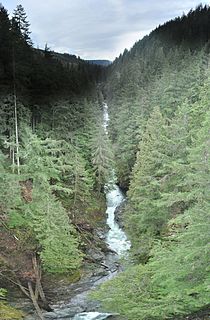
[51,226]
[20,19]
[144,218]
[101,156]
[6,45]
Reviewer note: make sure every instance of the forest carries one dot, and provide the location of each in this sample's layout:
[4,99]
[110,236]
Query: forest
[56,160]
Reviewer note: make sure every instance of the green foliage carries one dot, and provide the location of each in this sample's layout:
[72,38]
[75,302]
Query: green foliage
[175,280]
[157,71]
[20,19]
[6,311]
[101,155]
[167,215]
[40,157]
[10,196]
[28,200]
[158,94]
[144,216]
[46,164]
[16,219]
[3,292]
[9,313]
[52,228]
[125,136]
[54,138]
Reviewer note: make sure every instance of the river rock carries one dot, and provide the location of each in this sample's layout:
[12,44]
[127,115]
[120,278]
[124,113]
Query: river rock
[101,272]
[96,255]
[101,233]
[119,211]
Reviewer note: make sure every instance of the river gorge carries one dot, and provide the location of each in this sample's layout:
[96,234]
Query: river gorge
[76,305]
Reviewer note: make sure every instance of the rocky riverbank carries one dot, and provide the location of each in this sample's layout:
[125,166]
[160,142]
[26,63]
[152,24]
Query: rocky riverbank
[68,295]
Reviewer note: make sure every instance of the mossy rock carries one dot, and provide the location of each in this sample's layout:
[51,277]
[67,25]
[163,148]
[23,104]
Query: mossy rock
[52,279]
[74,277]
[9,313]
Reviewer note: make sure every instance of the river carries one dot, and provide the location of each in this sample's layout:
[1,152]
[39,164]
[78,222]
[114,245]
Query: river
[116,240]
[116,237]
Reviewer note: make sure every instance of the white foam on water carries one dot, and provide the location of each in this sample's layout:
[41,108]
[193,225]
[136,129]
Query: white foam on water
[91,316]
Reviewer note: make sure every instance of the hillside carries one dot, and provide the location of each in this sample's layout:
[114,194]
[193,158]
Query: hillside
[51,199]
[104,63]
[160,70]
[158,93]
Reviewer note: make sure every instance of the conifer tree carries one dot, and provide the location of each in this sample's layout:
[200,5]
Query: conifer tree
[144,218]
[51,226]
[20,19]
[175,281]
[74,177]
[6,44]
[10,192]
[43,164]
[101,156]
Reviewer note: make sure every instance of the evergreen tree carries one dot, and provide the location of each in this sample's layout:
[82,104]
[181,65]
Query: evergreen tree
[10,191]
[144,217]
[101,156]
[20,19]
[36,207]
[175,281]
[51,226]
[6,45]
[74,177]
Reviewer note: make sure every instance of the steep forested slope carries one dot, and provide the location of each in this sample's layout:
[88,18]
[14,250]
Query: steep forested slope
[50,131]
[163,69]
[159,98]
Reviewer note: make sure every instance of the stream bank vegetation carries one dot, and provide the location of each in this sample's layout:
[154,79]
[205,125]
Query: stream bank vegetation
[158,93]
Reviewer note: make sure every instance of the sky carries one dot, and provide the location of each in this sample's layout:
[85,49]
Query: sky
[96,29]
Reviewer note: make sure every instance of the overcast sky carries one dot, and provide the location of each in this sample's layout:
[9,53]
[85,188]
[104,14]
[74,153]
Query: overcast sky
[99,29]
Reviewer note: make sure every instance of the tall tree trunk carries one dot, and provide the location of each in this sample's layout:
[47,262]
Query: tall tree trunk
[15,115]
[76,180]
[13,152]
[11,148]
